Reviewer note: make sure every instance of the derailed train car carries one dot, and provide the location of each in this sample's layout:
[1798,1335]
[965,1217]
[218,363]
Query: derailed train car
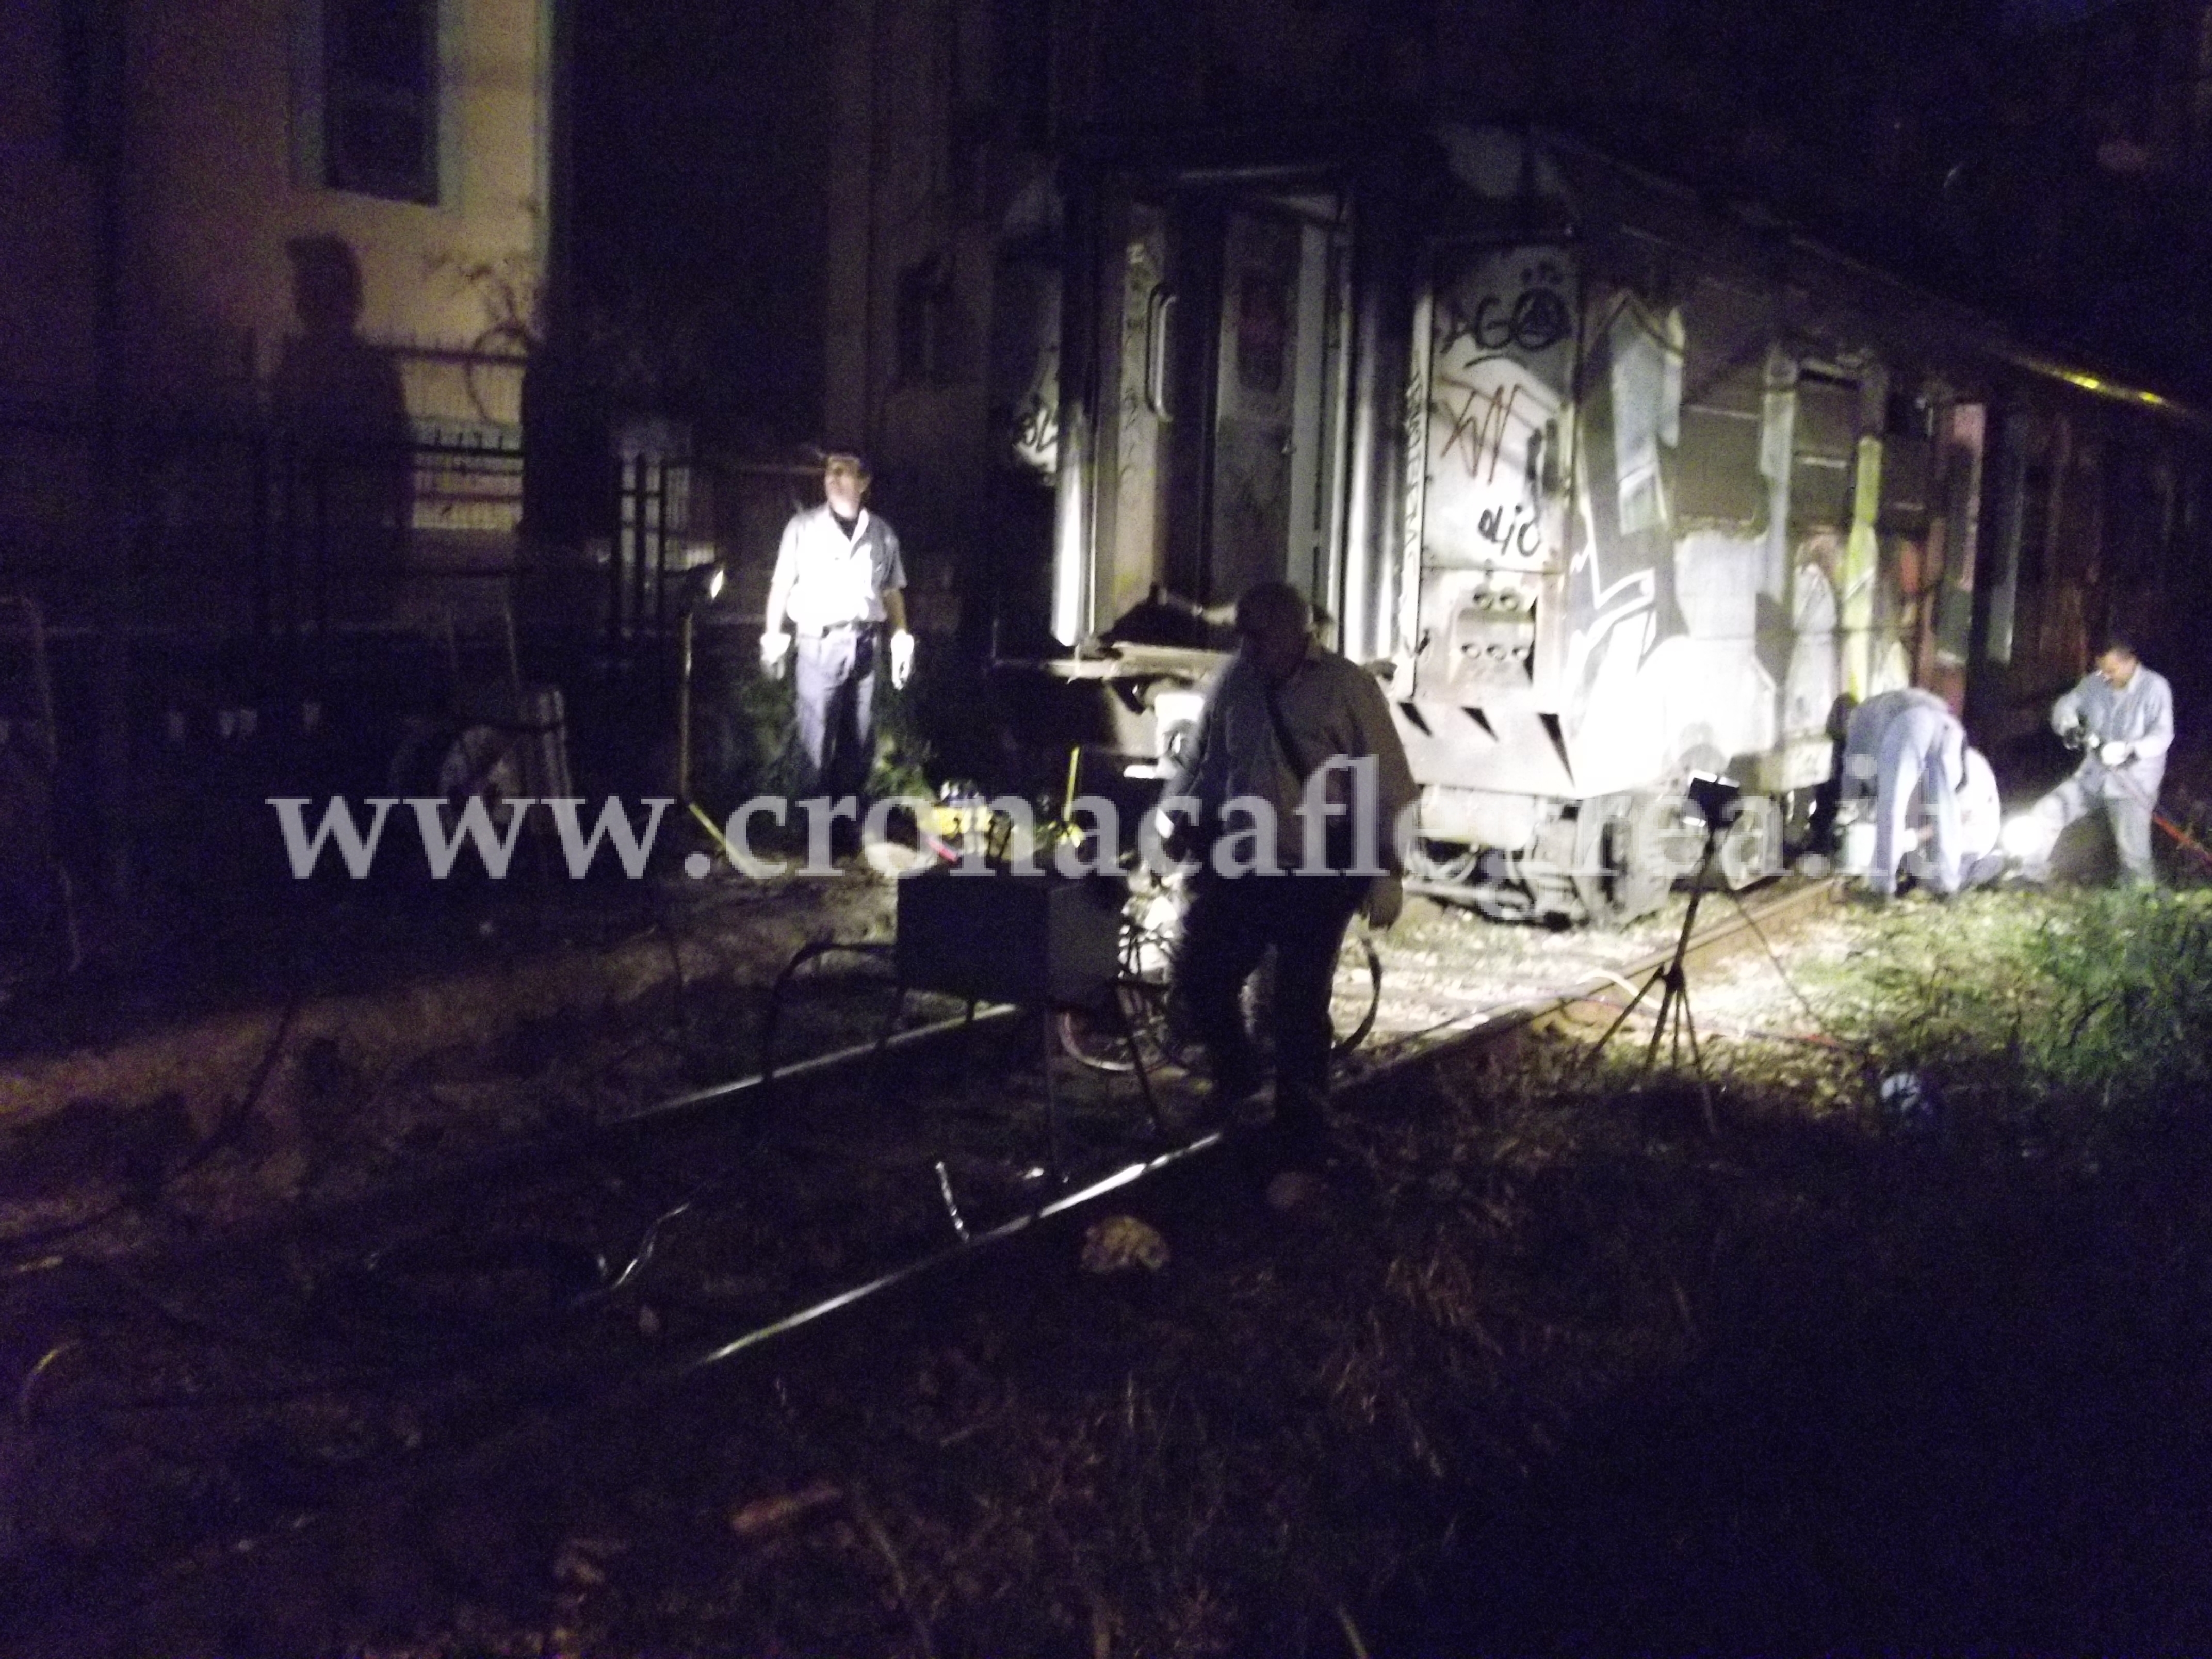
[1607,486]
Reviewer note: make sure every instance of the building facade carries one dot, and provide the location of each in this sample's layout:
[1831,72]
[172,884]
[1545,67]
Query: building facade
[323,221]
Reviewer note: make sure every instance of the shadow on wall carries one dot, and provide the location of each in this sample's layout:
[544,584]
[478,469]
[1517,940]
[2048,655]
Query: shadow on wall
[346,447]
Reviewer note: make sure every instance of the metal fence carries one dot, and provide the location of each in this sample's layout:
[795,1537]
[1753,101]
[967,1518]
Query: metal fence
[239,528]
[676,518]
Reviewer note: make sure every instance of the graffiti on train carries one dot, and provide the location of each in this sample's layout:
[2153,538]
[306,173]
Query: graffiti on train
[1502,352]
[1528,321]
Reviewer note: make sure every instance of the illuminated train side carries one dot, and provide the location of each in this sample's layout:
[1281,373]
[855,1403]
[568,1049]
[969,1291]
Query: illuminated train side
[1631,489]
[1666,518]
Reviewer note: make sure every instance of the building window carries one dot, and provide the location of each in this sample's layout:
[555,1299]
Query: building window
[380,97]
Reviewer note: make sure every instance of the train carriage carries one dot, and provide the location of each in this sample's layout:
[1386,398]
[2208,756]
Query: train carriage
[1606,484]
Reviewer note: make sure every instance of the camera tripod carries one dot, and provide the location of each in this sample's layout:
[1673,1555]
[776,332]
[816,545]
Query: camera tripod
[1672,1021]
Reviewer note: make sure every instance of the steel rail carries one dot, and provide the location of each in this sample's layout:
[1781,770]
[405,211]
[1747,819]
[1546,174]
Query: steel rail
[714,1094]
[1492,1024]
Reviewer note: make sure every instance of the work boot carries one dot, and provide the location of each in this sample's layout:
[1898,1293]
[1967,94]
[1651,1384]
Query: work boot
[1301,1165]
[1237,1078]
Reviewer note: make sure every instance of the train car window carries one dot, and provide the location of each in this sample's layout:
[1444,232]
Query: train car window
[1646,352]
[2166,518]
[2131,509]
[927,325]
[2079,545]
[1820,452]
[1724,402]
[2008,501]
[2037,483]
[1905,474]
[1904,415]
[1719,479]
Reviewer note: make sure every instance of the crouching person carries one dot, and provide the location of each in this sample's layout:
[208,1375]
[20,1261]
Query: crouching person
[1981,829]
[1922,757]
[1857,792]
[1299,772]
[1869,723]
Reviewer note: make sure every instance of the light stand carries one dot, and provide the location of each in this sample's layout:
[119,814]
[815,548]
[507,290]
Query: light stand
[1719,800]
[705,589]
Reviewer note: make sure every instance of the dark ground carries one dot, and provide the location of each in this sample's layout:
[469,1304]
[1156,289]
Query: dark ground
[1555,1370]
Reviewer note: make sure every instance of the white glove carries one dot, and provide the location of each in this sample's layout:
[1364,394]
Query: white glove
[773,646]
[1385,901]
[2114,752]
[902,658]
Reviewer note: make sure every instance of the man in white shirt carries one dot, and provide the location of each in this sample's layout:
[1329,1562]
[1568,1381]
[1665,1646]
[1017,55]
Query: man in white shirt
[1299,737]
[838,581]
[2122,716]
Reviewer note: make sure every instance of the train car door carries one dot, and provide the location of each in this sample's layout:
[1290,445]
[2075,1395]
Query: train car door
[1143,342]
[1221,459]
[1275,394]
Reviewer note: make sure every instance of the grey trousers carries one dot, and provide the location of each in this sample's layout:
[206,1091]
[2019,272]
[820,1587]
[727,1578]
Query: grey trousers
[1912,754]
[2128,815]
[836,692]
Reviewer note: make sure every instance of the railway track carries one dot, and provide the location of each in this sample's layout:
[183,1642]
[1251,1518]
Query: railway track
[441,1316]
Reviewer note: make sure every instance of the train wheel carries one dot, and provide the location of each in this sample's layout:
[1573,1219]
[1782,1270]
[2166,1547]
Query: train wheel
[1621,868]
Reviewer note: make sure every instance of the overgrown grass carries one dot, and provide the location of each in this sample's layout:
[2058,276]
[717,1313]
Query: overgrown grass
[2077,1012]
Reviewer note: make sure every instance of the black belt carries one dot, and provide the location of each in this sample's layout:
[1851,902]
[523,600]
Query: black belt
[836,629]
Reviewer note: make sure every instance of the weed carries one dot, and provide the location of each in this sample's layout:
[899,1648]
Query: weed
[2076,1012]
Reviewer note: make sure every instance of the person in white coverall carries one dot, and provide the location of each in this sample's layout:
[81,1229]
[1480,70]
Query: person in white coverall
[1862,736]
[1922,748]
[2122,713]
[1981,826]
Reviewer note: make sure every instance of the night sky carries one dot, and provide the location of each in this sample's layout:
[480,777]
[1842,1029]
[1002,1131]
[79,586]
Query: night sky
[1968,148]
